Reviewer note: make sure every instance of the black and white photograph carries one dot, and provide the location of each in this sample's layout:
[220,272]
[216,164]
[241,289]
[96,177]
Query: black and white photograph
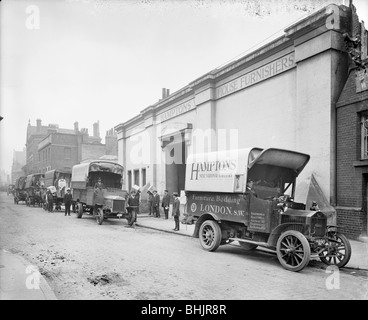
[183,156]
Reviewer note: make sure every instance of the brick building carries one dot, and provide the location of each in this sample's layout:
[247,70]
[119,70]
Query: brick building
[50,147]
[352,139]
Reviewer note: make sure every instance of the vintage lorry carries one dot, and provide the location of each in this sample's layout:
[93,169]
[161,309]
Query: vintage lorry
[102,200]
[35,189]
[57,181]
[20,193]
[247,195]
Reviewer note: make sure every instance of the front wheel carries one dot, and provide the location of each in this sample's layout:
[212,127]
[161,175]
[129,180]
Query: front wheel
[99,216]
[210,235]
[293,250]
[338,251]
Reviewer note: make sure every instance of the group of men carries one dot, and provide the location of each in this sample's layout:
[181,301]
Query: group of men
[67,199]
[154,205]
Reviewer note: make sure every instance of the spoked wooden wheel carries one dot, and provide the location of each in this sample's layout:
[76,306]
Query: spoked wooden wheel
[338,251]
[79,207]
[99,216]
[293,250]
[210,235]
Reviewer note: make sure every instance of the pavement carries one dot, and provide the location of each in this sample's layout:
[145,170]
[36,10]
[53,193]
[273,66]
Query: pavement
[20,280]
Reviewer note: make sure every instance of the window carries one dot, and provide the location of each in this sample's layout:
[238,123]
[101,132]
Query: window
[136,177]
[364,136]
[129,180]
[144,178]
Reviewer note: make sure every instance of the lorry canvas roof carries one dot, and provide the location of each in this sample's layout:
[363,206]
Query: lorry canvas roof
[80,171]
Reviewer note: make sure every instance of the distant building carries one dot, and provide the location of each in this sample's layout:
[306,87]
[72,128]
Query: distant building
[4,179]
[49,147]
[19,160]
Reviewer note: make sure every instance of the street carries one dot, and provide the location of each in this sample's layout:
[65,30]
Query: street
[83,260]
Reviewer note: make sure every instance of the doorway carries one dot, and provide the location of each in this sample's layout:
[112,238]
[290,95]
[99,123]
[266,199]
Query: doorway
[175,158]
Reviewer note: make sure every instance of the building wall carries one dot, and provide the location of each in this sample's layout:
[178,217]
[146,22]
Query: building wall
[92,151]
[292,107]
[352,170]
[58,151]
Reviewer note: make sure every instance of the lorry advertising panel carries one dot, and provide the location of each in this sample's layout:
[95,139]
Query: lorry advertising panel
[222,171]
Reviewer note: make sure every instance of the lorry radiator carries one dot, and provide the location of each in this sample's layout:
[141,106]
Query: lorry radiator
[118,206]
[318,224]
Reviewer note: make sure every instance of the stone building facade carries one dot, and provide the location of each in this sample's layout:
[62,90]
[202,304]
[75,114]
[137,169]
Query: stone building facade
[282,95]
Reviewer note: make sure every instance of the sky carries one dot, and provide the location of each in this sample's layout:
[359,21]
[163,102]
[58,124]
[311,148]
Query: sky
[64,61]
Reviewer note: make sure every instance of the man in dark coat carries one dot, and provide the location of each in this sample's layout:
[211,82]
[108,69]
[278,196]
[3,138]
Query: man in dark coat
[166,203]
[156,204]
[176,211]
[67,201]
[150,198]
[133,201]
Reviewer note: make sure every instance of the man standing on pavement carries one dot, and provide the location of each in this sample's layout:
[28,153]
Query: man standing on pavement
[176,210]
[156,204]
[150,198]
[166,203]
[67,202]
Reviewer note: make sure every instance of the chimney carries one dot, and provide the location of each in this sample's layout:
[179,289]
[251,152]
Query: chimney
[111,143]
[38,125]
[96,129]
[165,93]
[76,129]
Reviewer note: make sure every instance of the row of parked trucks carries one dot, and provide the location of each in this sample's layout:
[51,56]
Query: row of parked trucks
[243,195]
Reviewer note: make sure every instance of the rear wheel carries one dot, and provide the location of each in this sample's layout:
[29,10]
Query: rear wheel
[247,246]
[79,208]
[210,235]
[293,250]
[338,252]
